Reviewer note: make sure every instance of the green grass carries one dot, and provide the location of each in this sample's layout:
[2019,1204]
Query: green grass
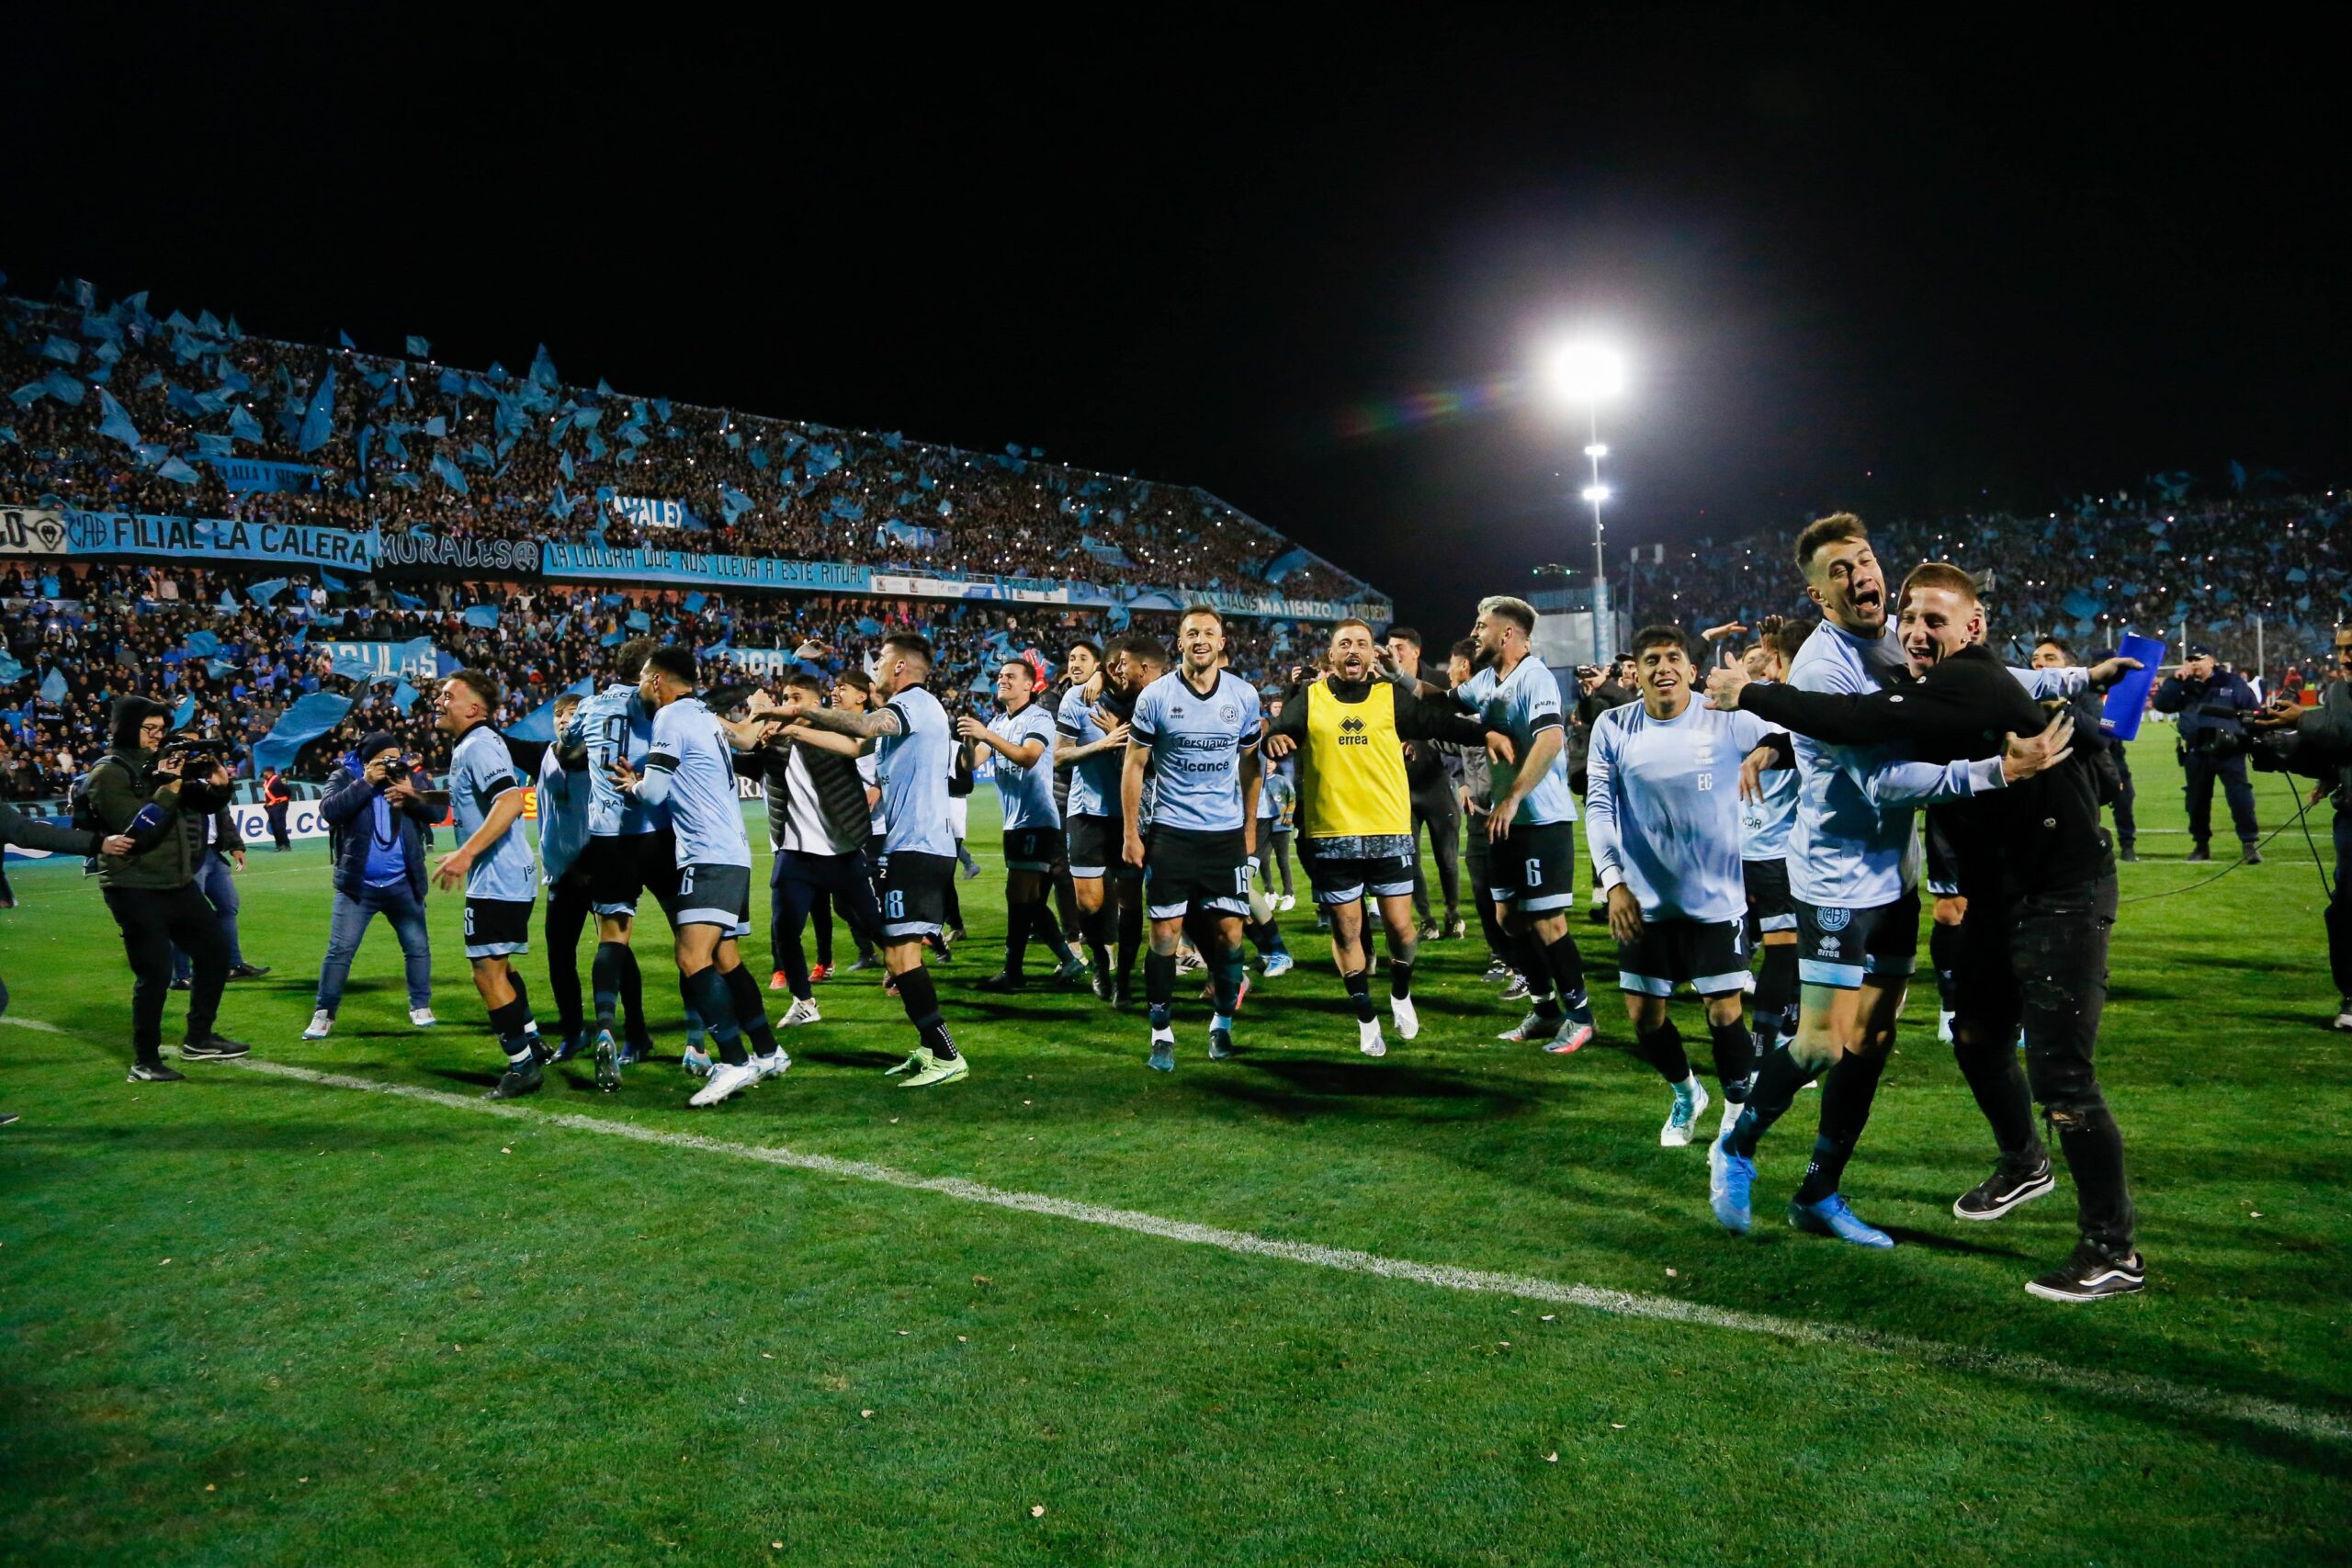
[395,1331]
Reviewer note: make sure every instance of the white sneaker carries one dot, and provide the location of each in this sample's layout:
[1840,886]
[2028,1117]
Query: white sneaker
[2344,1018]
[1368,1040]
[799,1013]
[1409,1022]
[1943,1027]
[725,1080]
[695,1062]
[1689,1100]
[773,1065]
[321,1025]
[1286,903]
[422,1017]
[1732,1108]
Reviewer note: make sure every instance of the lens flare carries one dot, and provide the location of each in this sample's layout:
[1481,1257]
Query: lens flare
[1430,405]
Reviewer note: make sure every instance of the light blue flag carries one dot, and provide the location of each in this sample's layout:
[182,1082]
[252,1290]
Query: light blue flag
[308,719]
[242,425]
[447,472]
[332,583]
[218,669]
[694,601]
[638,621]
[407,601]
[172,469]
[113,422]
[418,347]
[483,615]
[611,639]
[263,592]
[52,685]
[10,670]
[210,445]
[228,602]
[200,645]
[351,666]
[318,421]
[184,712]
[404,696]
[63,387]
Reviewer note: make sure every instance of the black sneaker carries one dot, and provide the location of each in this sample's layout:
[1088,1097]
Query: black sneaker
[2128,853]
[1003,980]
[866,960]
[1499,970]
[2199,853]
[2253,855]
[213,1048]
[249,971]
[1104,984]
[156,1071]
[2090,1275]
[183,984]
[2004,1190]
[1122,991]
[517,1082]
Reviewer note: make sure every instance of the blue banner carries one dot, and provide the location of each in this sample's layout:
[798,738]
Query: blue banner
[245,475]
[276,544]
[693,569]
[647,511]
[416,658]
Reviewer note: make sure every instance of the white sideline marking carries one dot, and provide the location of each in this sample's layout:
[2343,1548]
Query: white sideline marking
[32,1023]
[2128,1386]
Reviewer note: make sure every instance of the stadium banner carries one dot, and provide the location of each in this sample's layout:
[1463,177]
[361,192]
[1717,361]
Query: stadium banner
[302,821]
[648,512]
[204,538]
[935,588]
[766,663]
[696,569]
[427,553]
[246,475]
[416,659]
[32,531]
[1274,605]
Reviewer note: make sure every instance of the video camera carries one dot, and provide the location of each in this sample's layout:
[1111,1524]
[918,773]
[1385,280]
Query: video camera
[2224,736]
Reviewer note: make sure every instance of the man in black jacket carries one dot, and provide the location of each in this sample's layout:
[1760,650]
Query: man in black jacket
[2208,697]
[163,805]
[2039,875]
[2317,742]
[818,821]
[1432,778]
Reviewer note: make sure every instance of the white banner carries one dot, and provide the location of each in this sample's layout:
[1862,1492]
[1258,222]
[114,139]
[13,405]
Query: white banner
[28,531]
[302,821]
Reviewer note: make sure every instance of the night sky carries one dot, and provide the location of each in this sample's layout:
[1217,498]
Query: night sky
[1991,266]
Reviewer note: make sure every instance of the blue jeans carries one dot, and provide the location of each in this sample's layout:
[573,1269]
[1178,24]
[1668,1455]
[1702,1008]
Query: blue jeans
[215,881]
[396,904]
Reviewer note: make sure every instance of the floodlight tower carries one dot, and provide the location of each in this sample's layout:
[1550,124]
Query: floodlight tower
[1585,373]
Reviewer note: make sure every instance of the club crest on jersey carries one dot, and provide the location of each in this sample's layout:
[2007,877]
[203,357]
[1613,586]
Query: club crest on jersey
[1229,713]
[1833,919]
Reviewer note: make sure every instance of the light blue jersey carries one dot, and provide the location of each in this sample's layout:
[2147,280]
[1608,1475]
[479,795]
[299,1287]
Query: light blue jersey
[481,770]
[1661,808]
[1854,843]
[1521,704]
[706,812]
[563,816]
[913,765]
[615,725]
[1027,793]
[1094,781]
[1764,822]
[1196,744]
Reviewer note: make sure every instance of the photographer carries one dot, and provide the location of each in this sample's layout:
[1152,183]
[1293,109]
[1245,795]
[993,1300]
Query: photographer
[164,804]
[2317,742]
[2212,704]
[378,817]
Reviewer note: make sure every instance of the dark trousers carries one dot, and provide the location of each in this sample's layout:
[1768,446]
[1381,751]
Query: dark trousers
[278,825]
[2126,792]
[568,912]
[2339,911]
[153,921]
[2198,774]
[1482,888]
[216,879]
[1444,819]
[796,882]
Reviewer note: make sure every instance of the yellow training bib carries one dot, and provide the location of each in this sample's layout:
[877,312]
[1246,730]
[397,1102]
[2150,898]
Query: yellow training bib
[1351,770]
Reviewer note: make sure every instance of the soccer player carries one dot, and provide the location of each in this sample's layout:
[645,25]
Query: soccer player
[2039,875]
[1433,784]
[1532,829]
[1662,816]
[1349,732]
[1021,735]
[1109,890]
[690,767]
[1853,870]
[1765,816]
[630,849]
[563,833]
[818,819]
[915,746]
[493,860]
[1196,730]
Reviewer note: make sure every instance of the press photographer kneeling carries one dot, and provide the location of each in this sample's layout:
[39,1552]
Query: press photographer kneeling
[2317,742]
[161,800]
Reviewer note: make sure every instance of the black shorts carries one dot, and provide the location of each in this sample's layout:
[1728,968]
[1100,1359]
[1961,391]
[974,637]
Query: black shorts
[1032,849]
[1097,848]
[1340,876]
[1534,869]
[1839,946]
[1771,905]
[914,888]
[496,926]
[710,894]
[1187,869]
[1710,956]
[621,868]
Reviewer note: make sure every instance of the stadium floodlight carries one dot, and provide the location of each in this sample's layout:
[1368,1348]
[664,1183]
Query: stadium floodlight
[1581,373]
[1596,493]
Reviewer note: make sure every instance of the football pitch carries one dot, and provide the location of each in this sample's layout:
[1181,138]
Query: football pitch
[1456,1305]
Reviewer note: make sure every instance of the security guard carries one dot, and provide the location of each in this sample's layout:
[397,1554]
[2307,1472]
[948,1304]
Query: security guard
[2208,697]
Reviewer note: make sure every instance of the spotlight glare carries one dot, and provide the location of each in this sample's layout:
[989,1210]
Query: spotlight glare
[1585,373]
[1596,493]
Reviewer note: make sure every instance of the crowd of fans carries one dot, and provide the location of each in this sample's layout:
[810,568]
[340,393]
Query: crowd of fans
[82,634]
[117,409]
[2143,562]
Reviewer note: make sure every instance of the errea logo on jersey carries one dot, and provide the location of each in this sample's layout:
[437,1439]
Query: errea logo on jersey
[1351,733]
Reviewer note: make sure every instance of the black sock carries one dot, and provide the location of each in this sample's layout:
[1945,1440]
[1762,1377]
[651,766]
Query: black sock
[1016,938]
[707,988]
[1662,1048]
[1532,965]
[1566,965]
[1046,928]
[640,1035]
[521,998]
[1159,987]
[605,976]
[1778,1079]
[2093,1145]
[1735,1057]
[1998,1084]
[1943,952]
[1095,926]
[920,997]
[750,1008]
[1400,978]
[1130,936]
[1225,980]
[1359,993]
[1846,1097]
[507,1022]
[1776,997]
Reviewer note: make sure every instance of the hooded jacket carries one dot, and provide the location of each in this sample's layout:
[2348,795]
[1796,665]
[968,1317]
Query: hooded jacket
[122,785]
